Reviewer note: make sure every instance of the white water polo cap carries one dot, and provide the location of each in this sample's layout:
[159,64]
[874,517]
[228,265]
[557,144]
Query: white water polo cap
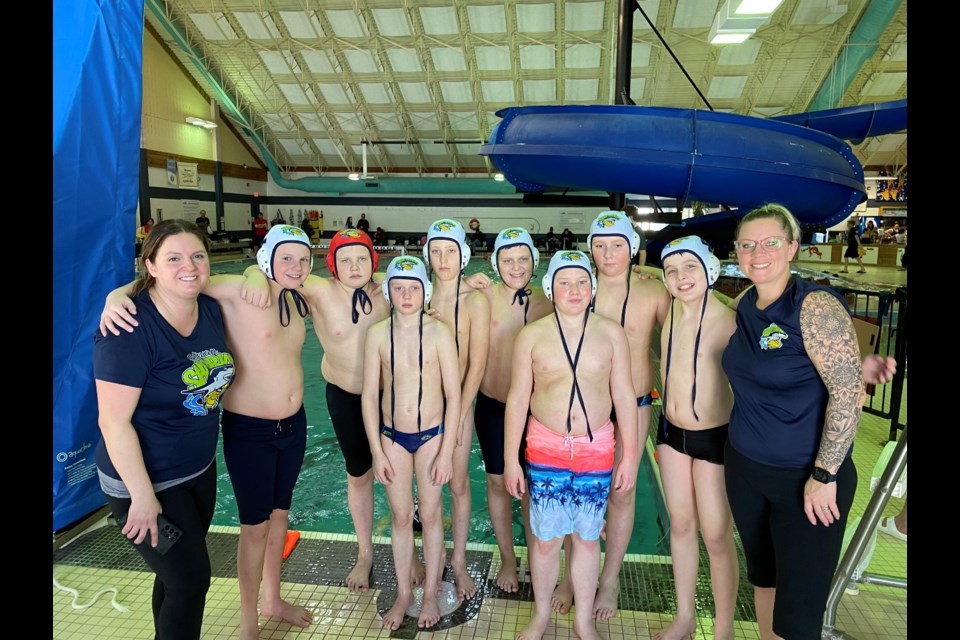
[447,229]
[567,260]
[408,268]
[699,248]
[512,237]
[614,223]
[278,235]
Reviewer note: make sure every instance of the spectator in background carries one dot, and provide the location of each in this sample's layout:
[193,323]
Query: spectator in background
[363,224]
[478,239]
[853,247]
[869,233]
[552,243]
[568,240]
[203,222]
[634,214]
[259,230]
[145,229]
[349,223]
[890,235]
[380,237]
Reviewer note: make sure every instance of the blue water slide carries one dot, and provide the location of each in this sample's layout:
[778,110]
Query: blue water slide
[687,154]
[854,123]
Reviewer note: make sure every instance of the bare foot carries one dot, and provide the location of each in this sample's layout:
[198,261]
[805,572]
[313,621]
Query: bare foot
[534,629]
[393,618]
[417,571]
[605,604]
[358,580]
[507,579]
[291,614]
[249,631]
[586,632]
[562,598]
[681,627]
[466,588]
[429,612]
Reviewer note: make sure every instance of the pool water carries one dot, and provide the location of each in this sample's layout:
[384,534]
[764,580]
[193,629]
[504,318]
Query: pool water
[320,497]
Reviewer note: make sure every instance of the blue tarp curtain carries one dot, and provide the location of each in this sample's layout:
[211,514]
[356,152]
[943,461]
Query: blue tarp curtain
[97,93]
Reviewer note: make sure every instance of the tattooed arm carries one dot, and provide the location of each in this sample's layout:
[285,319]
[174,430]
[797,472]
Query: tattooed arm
[831,343]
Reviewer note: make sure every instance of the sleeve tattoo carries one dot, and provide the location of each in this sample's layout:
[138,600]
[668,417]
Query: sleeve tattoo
[831,344]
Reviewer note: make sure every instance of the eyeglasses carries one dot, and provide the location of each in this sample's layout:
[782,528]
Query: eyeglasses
[768,244]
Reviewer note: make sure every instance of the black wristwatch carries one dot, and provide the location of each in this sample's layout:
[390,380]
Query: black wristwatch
[822,475]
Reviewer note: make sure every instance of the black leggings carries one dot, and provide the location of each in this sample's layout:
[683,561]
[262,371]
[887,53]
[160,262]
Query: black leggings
[782,549]
[183,574]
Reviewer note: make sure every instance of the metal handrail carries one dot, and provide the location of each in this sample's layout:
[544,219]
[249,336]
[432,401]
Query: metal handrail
[892,472]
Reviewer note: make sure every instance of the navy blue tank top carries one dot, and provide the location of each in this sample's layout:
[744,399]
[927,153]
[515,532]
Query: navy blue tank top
[779,397]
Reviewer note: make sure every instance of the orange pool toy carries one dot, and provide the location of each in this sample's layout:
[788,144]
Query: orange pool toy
[292,538]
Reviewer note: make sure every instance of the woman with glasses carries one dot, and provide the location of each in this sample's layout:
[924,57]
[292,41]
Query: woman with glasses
[794,366]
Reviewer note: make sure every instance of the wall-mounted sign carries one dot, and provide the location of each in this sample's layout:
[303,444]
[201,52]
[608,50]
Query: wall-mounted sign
[187,175]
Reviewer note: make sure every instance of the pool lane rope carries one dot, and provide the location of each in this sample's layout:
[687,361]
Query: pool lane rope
[76,595]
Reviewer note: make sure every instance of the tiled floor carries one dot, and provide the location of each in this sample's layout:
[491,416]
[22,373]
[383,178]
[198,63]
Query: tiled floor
[312,575]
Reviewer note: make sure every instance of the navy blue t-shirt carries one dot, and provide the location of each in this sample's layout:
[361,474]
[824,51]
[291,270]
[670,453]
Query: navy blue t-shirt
[779,398]
[181,380]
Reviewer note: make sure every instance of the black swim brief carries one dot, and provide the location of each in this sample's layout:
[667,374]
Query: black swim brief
[705,444]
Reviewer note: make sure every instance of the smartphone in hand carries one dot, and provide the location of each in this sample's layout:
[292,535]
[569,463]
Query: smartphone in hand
[167,533]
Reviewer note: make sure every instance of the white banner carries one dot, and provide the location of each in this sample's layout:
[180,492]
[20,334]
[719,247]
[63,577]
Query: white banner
[187,175]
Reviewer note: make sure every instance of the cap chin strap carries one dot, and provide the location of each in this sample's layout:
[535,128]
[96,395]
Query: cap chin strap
[522,296]
[284,305]
[456,314]
[575,387]
[696,349]
[363,301]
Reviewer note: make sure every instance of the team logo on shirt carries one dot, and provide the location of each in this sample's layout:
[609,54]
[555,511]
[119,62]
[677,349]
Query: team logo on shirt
[206,380]
[772,337]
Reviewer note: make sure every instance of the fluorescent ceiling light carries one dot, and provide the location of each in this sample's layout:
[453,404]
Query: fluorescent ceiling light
[754,7]
[737,20]
[730,36]
[498,177]
[200,122]
[354,176]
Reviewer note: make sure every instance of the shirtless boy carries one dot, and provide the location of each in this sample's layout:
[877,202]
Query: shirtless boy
[264,424]
[415,359]
[639,305]
[569,370]
[513,303]
[467,313]
[697,401]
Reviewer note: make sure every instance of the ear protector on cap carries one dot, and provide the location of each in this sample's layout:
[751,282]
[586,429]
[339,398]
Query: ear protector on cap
[566,260]
[347,237]
[278,235]
[447,229]
[511,237]
[699,248]
[408,268]
[614,223]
